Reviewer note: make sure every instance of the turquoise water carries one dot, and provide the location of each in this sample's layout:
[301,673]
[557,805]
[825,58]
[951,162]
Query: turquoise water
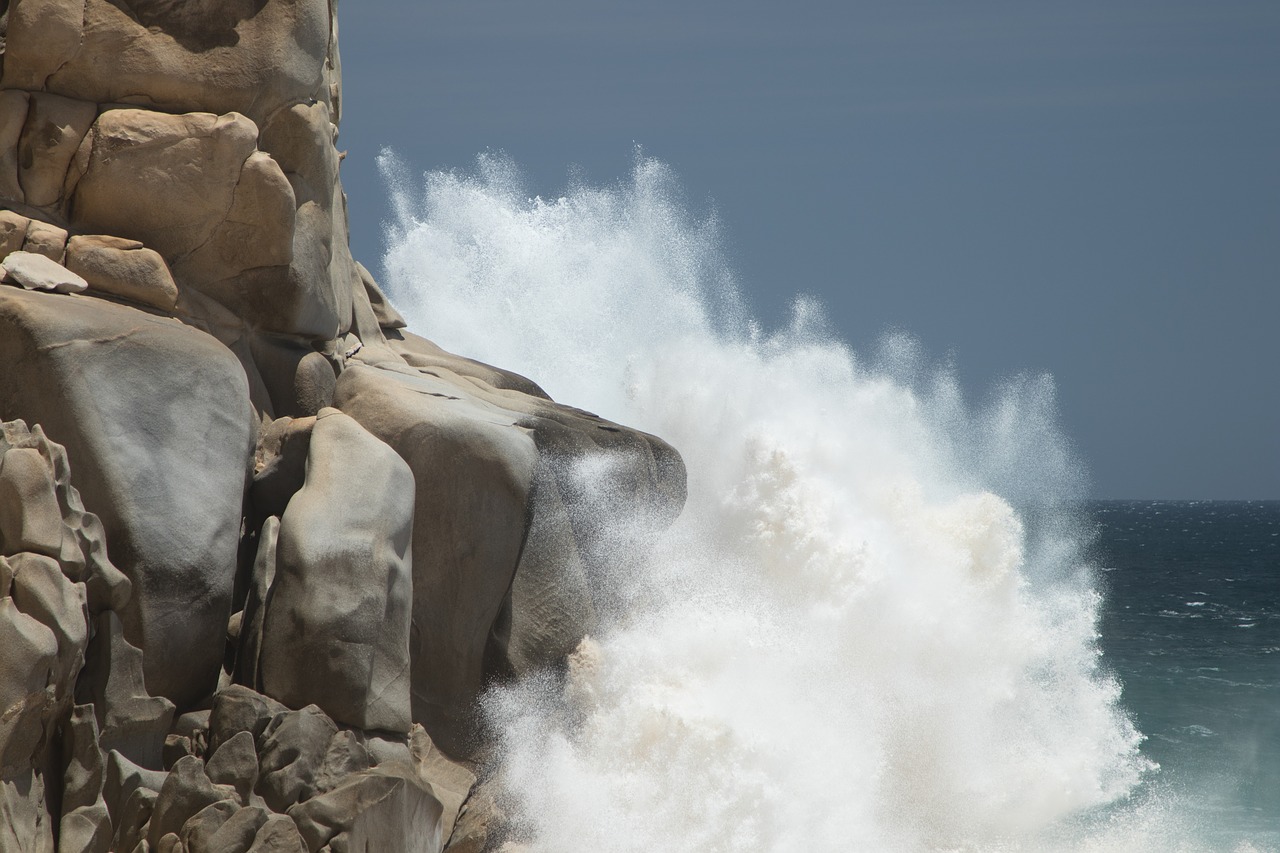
[1191,626]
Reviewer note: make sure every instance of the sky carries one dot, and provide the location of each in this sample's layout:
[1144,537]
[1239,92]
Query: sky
[1088,189]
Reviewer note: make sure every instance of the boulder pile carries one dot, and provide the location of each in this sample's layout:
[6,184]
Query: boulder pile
[262,549]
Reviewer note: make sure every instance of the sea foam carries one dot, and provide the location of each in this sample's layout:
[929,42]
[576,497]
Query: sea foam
[872,627]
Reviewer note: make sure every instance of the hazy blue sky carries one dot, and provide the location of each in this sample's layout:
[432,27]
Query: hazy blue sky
[1086,188]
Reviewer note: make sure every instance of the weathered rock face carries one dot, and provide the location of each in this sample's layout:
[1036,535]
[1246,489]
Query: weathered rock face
[225,165]
[156,416]
[213,55]
[124,268]
[38,272]
[341,588]
[474,471]
[55,585]
[327,536]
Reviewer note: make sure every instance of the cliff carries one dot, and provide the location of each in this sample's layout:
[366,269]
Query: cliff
[261,547]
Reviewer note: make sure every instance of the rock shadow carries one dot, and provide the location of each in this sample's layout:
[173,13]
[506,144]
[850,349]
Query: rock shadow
[197,25]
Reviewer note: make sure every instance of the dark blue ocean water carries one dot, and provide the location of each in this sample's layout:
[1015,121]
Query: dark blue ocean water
[1191,625]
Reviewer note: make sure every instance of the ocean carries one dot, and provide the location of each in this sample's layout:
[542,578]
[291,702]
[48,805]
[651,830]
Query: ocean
[1191,626]
[887,619]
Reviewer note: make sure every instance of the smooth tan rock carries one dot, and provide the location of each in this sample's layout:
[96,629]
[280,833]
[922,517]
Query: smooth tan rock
[123,780]
[186,791]
[277,359]
[343,586]
[42,238]
[255,231]
[383,747]
[86,829]
[481,453]
[345,755]
[54,129]
[90,242]
[249,649]
[30,518]
[13,116]
[333,72]
[123,268]
[26,825]
[313,384]
[42,37]
[278,835]
[252,56]
[237,834]
[648,472]
[367,342]
[300,138]
[199,830]
[291,752]
[13,228]
[239,709]
[41,590]
[131,823]
[223,216]
[385,808]
[194,726]
[167,180]
[37,272]
[571,538]
[280,464]
[551,604]
[482,825]
[474,467]
[27,674]
[176,747]
[235,763]
[383,311]
[420,353]
[156,415]
[84,774]
[82,552]
[170,843]
[158,425]
[130,719]
[39,728]
[328,306]
[271,264]
[449,781]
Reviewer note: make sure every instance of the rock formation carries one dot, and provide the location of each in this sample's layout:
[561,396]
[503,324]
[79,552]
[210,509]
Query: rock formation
[261,547]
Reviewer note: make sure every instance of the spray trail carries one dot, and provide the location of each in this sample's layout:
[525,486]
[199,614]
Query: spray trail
[871,628]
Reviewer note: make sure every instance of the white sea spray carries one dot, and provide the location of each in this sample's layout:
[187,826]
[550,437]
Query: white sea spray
[870,629]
